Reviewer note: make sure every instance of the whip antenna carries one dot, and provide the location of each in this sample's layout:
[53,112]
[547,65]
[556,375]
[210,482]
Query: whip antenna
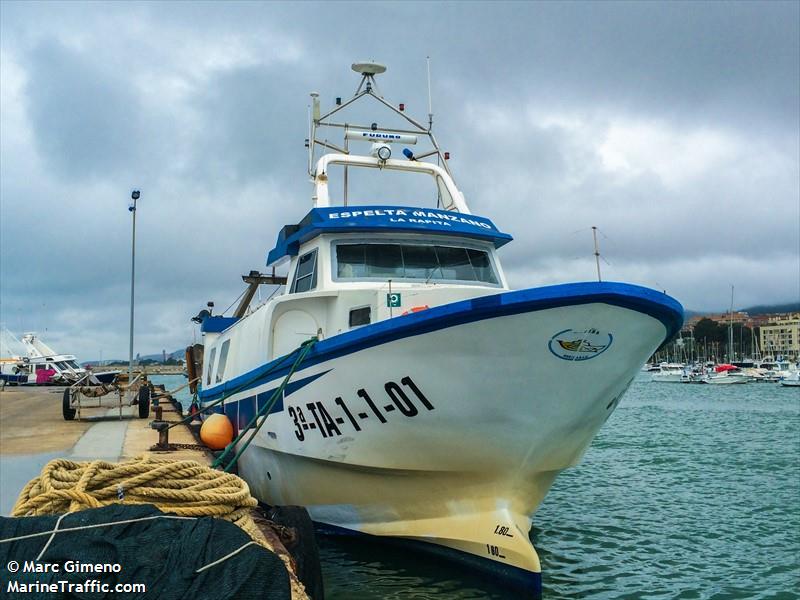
[596,252]
[430,104]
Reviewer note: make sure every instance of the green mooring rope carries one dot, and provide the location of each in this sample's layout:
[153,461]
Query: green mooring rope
[230,393]
[264,411]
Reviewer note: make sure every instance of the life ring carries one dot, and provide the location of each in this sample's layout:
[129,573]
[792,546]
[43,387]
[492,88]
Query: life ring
[416,309]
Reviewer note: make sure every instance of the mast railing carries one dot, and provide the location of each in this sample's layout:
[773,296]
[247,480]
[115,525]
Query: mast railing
[322,197]
[368,71]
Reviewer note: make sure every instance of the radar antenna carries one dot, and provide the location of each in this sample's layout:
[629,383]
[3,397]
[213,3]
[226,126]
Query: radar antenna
[368,70]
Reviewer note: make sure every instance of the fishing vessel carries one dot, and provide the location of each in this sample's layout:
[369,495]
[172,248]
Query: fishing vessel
[437,405]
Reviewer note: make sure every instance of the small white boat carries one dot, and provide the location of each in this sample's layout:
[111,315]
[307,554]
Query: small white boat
[60,368]
[792,380]
[725,379]
[36,363]
[727,374]
[438,405]
[669,373]
[776,370]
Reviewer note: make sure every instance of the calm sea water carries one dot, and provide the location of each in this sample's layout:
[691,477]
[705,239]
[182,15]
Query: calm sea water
[689,491]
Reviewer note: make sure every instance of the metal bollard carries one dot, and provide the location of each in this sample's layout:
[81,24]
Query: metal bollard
[163,436]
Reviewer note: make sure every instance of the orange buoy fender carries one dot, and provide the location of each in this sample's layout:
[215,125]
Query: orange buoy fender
[217,431]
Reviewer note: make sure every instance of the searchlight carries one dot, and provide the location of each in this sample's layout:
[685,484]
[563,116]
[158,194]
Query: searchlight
[382,151]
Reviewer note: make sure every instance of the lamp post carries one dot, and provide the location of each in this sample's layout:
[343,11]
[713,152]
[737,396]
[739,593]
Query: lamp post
[134,196]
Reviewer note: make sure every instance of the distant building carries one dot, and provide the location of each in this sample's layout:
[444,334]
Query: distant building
[741,318]
[781,335]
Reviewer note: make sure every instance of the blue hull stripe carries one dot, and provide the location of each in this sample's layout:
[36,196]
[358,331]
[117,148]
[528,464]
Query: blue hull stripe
[242,414]
[640,299]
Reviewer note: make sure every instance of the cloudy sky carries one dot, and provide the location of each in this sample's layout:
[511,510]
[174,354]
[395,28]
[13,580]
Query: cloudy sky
[673,127]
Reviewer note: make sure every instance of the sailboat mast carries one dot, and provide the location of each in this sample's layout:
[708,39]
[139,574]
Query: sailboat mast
[596,252]
[730,330]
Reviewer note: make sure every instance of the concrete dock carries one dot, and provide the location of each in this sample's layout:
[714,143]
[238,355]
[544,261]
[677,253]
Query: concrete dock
[33,432]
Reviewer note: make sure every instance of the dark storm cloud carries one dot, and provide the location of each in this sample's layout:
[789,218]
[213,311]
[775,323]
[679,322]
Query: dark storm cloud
[689,59]
[671,126]
[248,115]
[85,120]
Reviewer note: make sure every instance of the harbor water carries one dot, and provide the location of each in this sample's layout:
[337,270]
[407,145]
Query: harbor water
[688,491]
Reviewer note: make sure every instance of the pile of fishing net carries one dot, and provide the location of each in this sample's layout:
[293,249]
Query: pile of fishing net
[154,518]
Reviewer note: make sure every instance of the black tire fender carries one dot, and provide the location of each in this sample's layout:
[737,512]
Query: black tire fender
[304,548]
[144,401]
[66,405]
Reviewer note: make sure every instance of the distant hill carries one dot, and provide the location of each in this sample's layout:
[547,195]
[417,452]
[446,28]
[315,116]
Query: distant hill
[753,311]
[768,309]
[177,354]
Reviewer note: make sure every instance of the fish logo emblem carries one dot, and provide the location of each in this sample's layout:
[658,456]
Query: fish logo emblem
[578,345]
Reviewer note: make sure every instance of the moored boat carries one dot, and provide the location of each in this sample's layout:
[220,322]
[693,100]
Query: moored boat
[670,373]
[36,363]
[11,358]
[727,374]
[792,380]
[438,405]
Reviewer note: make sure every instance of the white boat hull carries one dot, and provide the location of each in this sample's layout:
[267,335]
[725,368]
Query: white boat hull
[668,378]
[727,379]
[451,436]
[791,380]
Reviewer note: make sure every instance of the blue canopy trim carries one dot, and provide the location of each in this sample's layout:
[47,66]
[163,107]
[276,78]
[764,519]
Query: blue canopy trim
[217,324]
[383,219]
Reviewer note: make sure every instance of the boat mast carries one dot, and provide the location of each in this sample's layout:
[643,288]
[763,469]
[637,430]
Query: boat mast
[430,103]
[596,252]
[730,331]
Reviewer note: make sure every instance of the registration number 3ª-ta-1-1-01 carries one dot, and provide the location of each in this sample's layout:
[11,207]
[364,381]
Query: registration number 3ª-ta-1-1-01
[405,397]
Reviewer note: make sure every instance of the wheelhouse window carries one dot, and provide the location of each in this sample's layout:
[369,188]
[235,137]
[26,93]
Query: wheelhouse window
[413,261]
[211,365]
[305,275]
[223,360]
[360,316]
